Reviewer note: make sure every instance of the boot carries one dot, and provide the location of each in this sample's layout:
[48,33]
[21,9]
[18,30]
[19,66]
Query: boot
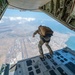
[41,55]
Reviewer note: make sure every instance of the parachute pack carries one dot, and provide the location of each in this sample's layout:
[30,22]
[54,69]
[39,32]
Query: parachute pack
[45,30]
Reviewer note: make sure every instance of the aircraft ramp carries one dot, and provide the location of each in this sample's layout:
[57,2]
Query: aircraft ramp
[62,63]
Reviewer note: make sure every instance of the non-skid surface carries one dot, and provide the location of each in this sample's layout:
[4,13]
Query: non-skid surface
[62,63]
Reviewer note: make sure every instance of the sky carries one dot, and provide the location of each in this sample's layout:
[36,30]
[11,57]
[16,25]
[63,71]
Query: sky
[16,13]
[56,26]
[39,18]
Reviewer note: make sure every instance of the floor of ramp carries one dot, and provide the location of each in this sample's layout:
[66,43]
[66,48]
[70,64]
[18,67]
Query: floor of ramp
[62,63]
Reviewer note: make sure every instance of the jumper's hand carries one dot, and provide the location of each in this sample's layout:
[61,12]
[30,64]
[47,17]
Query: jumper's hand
[33,35]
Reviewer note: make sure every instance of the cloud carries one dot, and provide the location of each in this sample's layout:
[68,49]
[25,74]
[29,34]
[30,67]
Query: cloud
[20,18]
[71,34]
[1,21]
[29,19]
[15,18]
